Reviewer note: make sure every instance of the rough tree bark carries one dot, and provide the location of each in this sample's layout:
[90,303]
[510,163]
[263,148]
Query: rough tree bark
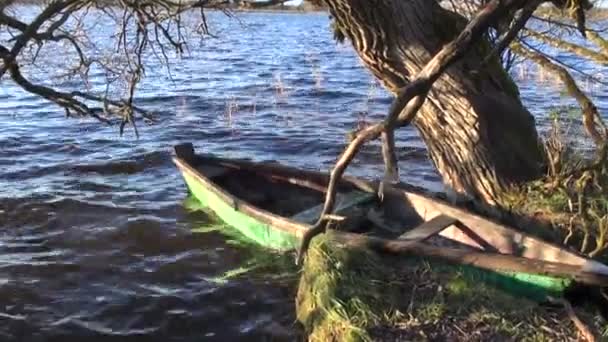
[478,134]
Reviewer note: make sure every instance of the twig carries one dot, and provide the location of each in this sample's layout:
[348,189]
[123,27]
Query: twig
[518,24]
[592,120]
[583,329]
[143,25]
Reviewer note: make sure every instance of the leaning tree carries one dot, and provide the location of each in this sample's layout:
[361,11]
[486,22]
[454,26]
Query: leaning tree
[443,60]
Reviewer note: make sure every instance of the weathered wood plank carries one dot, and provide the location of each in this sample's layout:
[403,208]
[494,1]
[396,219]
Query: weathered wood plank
[585,274]
[429,228]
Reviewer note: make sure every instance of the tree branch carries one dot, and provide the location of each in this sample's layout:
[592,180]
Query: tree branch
[145,25]
[518,24]
[591,117]
[569,47]
[31,30]
[598,41]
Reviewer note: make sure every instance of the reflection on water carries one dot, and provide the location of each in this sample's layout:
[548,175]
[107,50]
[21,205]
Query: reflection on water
[96,240]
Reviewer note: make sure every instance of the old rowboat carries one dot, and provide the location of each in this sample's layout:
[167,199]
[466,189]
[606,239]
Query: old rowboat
[274,205]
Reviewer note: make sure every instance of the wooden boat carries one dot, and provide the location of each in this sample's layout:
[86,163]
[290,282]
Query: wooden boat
[275,205]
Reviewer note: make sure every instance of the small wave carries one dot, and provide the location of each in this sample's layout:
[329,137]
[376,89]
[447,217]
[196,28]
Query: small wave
[134,165]
[37,219]
[73,322]
[18,211]
[371,154]
[84,185]
[32,172]
[8,142]
[13,317]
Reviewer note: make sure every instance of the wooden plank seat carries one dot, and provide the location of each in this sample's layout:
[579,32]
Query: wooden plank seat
[429,228]
[441,222]
[343,201]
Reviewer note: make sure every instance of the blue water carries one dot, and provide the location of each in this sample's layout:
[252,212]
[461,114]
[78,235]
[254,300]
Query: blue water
[95,240]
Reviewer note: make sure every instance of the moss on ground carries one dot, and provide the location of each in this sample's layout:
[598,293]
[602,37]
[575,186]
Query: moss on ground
[357,295]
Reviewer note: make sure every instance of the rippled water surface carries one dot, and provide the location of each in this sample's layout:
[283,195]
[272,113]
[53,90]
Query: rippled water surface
[96,239]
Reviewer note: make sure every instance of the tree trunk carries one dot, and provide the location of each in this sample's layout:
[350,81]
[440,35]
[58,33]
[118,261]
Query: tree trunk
[478,134]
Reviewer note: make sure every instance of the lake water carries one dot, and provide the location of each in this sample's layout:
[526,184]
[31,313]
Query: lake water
[96,239]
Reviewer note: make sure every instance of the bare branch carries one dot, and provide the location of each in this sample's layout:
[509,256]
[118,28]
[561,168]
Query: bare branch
[565,65]
[518,23]
[31,30]
[560,24]
[591,117]
[570,47]
[144,26]
[600,42]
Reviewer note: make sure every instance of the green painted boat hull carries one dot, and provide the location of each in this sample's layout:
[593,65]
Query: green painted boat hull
[532,286]
[259,232]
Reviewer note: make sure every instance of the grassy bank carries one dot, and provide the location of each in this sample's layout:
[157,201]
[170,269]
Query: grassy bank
[571,201]
[354,295]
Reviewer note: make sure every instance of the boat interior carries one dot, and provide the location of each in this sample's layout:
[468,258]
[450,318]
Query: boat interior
[301,199]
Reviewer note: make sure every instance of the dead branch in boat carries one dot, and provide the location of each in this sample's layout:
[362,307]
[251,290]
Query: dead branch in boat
[408,102]
[391,168]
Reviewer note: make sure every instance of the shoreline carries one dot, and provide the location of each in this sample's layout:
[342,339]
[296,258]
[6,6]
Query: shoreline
[268,9]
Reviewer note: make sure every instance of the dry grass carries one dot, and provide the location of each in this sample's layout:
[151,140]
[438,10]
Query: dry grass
[232,107]
[572,198]
[315,68]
